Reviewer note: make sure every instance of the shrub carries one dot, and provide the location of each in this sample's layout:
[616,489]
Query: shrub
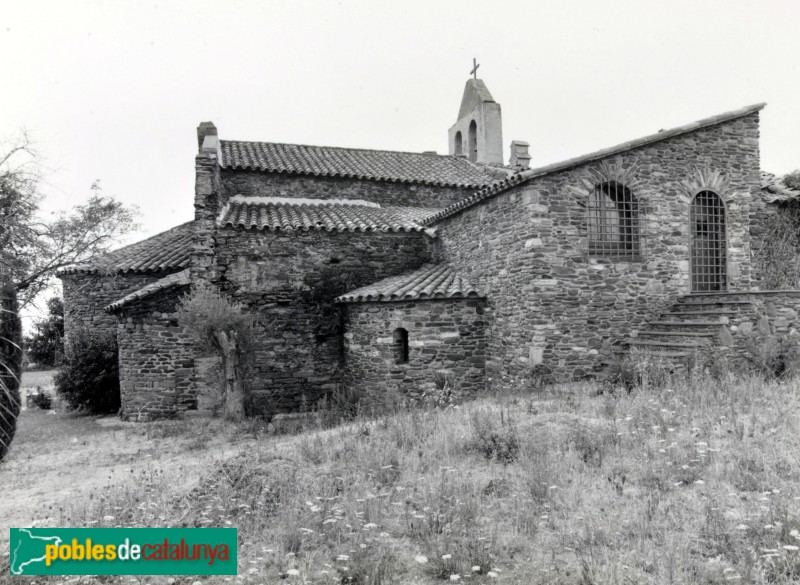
[494,437]
[773,355]
[10,366]
[225,327]
[777,260]
[89,378]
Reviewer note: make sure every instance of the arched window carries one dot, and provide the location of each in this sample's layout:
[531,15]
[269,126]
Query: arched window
[708,243]
[459,143]
[400,346]
[472,141]
[613,221]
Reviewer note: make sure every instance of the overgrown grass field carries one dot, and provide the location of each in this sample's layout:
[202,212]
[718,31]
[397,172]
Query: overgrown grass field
[693,481]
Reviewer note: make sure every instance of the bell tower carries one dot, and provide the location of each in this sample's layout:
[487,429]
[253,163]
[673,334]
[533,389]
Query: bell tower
[478,133]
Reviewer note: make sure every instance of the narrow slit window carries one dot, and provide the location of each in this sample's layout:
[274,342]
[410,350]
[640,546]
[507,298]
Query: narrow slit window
[459,143]
[400,346]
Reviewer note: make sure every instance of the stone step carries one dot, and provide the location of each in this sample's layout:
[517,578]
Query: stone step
[689,334]
[667,353]
[686,323]
[731,297]
[684,302]
[694,314]
[677,345]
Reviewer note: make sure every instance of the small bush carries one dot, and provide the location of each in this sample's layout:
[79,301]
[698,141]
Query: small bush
[495,437]
[774,355]
[41,400]
[89,378]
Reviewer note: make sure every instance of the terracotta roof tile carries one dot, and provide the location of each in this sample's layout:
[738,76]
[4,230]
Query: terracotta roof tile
[384,165]
[431,281]
[775,190]
[169,250]
[501,186]
[175,280]
[263,214]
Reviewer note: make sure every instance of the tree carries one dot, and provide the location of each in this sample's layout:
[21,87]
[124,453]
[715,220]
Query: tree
[33,248]
[226,328]
[46,346]
[10,363]
[792,180]
[89,377]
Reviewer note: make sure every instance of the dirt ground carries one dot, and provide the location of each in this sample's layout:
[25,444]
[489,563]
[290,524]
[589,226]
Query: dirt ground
[57,457]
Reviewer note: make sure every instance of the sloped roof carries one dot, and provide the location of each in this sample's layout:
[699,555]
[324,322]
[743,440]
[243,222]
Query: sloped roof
[175,280]
[775,190]
[169,250]
[431,281]
[274,213]
[504,185]
[329,161]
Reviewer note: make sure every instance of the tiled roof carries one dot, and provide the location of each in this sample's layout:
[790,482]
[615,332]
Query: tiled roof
[431,281]
[500,186]
[169,250]
[775,190]
[266,213]
[383,165]
[177,279]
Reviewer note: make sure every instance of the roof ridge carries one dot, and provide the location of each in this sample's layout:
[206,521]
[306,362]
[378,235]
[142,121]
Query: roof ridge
[454,156]
[502,185]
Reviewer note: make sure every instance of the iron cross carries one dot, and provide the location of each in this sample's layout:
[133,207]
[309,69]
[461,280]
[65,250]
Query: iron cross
[475,68]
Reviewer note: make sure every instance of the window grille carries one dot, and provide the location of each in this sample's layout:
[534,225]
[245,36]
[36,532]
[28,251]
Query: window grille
[614,222]
[708,243]
[400,346]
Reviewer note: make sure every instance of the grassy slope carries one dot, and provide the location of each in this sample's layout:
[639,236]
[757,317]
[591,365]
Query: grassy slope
[694,483]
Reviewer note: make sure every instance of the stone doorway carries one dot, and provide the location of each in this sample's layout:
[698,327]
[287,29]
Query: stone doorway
[708,246]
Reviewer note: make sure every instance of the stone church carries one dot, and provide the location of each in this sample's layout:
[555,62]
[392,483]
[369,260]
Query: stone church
[461,269]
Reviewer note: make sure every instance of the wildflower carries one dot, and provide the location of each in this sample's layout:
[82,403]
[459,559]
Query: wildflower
[476,568]
[293,572]
[370,526]
[108,518]
[421,559]
[455,577]
[790,547]
[492,574]
[343,558]
[447,557]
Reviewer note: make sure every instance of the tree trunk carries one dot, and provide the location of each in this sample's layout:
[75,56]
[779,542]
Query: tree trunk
[233,406]
[10,365]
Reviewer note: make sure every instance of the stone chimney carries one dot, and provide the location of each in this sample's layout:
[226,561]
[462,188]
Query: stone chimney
[203,130]
[519,155]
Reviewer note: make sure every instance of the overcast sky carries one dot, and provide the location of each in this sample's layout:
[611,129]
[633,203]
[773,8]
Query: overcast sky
[114,90]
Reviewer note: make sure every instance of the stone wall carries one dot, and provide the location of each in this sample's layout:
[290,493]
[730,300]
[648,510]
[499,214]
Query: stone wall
[445,337]
[385,193]
[86,295]
[161,371]
[772,313]
[550,302]
[298,354]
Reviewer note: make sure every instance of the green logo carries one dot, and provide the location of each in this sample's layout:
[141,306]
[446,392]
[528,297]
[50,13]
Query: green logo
[123,551]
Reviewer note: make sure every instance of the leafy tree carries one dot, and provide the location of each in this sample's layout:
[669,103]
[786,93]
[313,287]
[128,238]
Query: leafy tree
[226,328]
[46,345]
[10,363]
[792,180]
[89,377]
[33,247]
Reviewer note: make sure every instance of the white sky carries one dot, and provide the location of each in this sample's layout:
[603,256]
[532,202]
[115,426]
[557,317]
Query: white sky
[115,90]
